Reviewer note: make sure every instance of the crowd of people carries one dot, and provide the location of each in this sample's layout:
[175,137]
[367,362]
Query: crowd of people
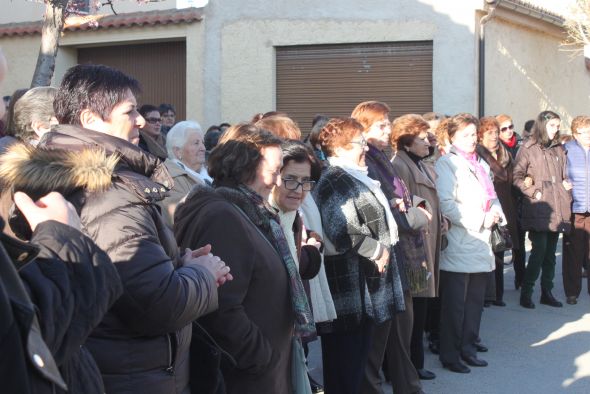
[144,255]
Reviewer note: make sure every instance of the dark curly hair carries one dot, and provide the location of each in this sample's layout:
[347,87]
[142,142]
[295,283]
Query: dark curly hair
[235,159]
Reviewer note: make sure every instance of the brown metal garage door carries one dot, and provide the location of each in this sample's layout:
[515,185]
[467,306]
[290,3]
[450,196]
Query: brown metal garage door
[159,67]
[333,79]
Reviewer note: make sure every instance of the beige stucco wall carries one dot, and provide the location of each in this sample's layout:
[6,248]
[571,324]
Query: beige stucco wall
[21,54]
[240,46]
[528,71]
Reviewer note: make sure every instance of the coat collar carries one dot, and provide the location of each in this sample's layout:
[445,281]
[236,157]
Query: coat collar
[417,173]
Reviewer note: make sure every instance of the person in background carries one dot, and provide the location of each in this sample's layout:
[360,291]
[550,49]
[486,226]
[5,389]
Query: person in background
[211,139]
[468,200]
[576,243]
[151,139]
[362,271]
[319,121]
[501,163]
[508,136]
[185,163]
[165,290]
[168,115]
[409,138]
[34,115]
[224,126]
[393,337]
[265,306]
[281,126]
[8,137]
[540,174]
[5,104]
[528,127]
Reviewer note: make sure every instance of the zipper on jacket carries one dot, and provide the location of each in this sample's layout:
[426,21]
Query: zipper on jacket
[170,368]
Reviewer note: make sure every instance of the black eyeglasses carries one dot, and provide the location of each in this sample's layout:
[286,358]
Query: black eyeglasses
[511,127]
[153,120]
[293,184]
[362,142]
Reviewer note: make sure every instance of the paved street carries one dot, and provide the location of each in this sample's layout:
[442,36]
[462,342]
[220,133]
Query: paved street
[545,350]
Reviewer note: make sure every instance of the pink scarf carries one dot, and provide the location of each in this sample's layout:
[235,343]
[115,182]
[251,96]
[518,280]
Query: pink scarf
[481,175]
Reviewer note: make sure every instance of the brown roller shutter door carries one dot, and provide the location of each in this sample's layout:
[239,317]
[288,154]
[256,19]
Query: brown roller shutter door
[333,79]
[160,68]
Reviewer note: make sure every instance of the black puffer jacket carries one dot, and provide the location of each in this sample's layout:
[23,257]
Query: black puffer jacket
[142,344]
[67,285]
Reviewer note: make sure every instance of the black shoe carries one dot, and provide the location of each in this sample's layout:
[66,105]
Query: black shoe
[499,303]
[548,299]
[425,374]
[457,367]
[572,300]
[474,361]
[480,348]
[315,386]
[433,346]
[526,302]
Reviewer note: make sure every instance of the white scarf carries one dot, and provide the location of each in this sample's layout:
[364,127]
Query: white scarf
[362,175]
[202,175]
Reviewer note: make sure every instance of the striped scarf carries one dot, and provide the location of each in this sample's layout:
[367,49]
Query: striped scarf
[264,217]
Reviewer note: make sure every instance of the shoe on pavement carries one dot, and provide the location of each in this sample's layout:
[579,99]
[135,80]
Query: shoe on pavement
[526,302]
[425,374]
[572,300]
[480,348]
[499,303]
[457,367]
[474,361]
[548,299]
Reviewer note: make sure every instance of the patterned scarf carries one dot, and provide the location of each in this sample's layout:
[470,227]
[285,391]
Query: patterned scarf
[263,216]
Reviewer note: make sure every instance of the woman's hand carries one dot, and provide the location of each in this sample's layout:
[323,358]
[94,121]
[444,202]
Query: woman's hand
[426,213]
[528,182]
[213,264]
[491,218]
[383,261]
[567,185]
[314,239]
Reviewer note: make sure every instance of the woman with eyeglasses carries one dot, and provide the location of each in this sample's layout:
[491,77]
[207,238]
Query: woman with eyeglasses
[150,138]
[393,338]
[540,174]
[501,164]
[508,137]
[359,234]
[468,199]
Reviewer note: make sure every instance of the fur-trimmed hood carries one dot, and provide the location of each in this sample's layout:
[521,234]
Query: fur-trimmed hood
[38,171]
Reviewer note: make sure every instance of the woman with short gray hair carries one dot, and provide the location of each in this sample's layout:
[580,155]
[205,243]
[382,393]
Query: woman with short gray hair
[185,163]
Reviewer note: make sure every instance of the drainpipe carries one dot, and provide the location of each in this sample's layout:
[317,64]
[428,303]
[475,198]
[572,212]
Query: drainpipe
[481,60]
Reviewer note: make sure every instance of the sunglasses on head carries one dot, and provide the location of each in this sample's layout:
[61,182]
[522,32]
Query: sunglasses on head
[506,128]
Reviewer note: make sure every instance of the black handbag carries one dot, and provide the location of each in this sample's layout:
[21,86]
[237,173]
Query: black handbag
[500,239]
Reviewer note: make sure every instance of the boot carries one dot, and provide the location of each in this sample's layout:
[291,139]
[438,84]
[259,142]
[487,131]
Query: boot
[548,299]
[526,302]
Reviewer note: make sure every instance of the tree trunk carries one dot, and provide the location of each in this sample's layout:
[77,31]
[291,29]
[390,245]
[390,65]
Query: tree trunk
[53,23]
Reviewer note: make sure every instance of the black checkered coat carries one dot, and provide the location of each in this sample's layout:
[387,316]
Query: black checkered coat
[354,223]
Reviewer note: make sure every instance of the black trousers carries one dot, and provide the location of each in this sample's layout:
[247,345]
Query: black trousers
[433,317]
[576,254]
[499,275]
[461,308]
[519,257]
[344,359]
[417,345]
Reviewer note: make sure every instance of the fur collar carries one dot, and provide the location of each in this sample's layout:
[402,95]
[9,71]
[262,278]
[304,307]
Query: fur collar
[38,171]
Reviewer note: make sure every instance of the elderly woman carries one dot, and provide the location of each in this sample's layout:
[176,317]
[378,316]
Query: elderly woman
[540,174]
[394,337]
[186,156]
[501,163]
[360,232]
[409,139]
[265,306]
[576,244]
[468,200]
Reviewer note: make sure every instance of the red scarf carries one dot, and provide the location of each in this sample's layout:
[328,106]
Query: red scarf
[511,142]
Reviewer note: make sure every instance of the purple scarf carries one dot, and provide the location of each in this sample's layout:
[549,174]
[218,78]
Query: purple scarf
[481,175]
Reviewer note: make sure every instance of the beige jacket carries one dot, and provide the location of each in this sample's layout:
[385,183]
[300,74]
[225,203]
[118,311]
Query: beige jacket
[183,183]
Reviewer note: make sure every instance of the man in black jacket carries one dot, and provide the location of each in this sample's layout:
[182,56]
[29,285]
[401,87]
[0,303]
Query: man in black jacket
[142,343]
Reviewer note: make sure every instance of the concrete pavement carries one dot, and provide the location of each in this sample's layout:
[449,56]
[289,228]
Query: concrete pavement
[540,351]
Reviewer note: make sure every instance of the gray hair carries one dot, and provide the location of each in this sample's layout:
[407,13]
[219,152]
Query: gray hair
[36,105]
[178,134]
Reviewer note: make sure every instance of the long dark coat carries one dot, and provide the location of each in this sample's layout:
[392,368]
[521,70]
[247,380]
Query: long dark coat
[254,322]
